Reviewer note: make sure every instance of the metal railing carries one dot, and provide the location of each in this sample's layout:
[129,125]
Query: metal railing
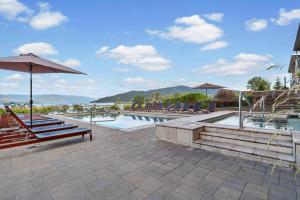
[241,117]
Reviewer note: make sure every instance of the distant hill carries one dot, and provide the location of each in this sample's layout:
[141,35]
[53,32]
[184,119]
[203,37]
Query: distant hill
[128,96]
[47,99]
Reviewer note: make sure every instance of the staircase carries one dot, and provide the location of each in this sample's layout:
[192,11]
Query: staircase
[246,144]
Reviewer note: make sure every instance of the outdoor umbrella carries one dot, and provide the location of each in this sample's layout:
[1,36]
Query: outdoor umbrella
[207,86]
[32,64]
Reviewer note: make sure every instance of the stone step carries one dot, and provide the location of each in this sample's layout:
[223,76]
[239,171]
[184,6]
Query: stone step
[246,152]
[247,141]
[283,136]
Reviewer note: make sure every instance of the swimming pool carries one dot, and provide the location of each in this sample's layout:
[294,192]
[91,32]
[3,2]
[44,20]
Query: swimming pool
[121,121]
[292,124]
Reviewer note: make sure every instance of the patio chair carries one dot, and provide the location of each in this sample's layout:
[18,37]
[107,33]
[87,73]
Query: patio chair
[160,106]
[147,107]
[139,107]
[211,107]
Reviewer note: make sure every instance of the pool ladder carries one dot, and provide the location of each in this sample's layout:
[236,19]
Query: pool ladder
[241,117]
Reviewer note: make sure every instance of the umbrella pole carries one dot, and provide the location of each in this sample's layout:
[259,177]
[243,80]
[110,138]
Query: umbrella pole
[206,97]
[31,102]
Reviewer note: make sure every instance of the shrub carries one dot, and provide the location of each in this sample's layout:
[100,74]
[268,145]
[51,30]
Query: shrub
[226,95]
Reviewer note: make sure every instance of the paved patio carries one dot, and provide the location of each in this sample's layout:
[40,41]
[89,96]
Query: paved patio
[119,165]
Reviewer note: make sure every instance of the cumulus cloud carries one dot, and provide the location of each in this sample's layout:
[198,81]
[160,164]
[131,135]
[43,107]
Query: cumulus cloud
[38,48]
[11,9]
[286,17]
[14,77]
[192,29]
[102,50]
[42,19]
[215,45]
[144,57]
[243,63]
[256,24]
[218,17]
[72,62]
[47,19]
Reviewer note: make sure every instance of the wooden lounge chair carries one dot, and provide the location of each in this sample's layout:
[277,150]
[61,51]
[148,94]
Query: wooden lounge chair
[40,134]
[35,123]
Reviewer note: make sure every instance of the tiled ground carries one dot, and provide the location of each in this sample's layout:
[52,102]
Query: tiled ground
[118,165]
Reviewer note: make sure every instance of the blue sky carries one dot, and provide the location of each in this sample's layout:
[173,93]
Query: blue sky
[139,45]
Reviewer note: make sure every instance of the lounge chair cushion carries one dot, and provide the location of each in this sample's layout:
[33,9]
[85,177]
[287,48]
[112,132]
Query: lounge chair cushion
[44,122]
[52,128]
[62,133]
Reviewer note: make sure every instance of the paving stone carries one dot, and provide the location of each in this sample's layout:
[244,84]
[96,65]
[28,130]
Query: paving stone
[225,193]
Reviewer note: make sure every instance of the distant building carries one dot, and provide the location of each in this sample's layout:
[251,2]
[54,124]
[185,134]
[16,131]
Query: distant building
[294,67]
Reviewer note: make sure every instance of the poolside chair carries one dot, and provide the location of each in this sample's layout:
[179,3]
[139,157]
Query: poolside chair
[185,107]
[168,107]
[132,106]
[160,106]
[177,107]
[41,134]
[147,107]
[35,123]
[211,107]
[196,107]
[139,107]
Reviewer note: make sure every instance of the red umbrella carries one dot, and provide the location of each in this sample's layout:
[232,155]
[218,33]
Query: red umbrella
[32,64]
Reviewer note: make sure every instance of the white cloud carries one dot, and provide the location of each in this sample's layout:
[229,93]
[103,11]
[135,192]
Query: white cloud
[72,62]
[11,9]
[215,45]
[192,29]
[286,16]
[102,50]
[256,24]
[41,20]
[47,19]
[144,57]
[14,77]
[243,63]
[121,69]
[218,17]
[133,81]
[38,48]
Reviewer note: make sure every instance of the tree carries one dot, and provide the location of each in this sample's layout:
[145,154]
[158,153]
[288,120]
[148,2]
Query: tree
[156,96]
[226,95]
[139,99]
[78,108]
[258,84]
[277,84]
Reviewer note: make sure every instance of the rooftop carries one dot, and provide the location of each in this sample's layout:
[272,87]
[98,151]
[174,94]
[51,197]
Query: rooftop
[122,165]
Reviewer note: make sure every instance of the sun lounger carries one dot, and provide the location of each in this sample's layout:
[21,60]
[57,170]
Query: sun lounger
[41,134]
[139,107]
[35,123]
[168,107]
[159,106]
[211,107]
[196,107]
[132,106]
[147,107]
[177,107]
[185,107]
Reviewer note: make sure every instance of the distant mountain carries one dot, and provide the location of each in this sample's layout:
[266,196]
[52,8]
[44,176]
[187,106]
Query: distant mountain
[47,99]
[128,96]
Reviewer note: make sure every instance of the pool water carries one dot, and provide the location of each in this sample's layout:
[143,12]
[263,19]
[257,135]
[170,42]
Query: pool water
[121,121]
[292,124]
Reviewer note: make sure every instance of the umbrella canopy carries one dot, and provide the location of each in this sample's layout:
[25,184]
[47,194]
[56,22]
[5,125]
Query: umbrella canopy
[31,63]
[207,86]
[297,41]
